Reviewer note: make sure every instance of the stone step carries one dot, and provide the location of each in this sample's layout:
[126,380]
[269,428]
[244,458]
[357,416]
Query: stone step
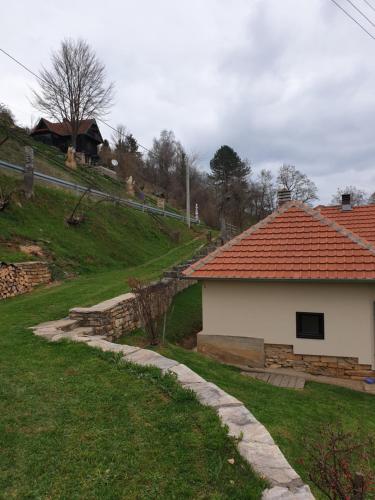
[65,325]
[83,331]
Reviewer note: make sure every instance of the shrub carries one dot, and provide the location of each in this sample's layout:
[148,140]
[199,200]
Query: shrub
[342,463]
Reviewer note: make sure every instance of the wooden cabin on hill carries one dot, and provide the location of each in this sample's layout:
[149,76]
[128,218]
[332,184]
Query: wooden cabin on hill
[60,135]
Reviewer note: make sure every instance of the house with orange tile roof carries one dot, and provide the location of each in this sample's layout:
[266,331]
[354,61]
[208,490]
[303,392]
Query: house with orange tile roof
[296,290]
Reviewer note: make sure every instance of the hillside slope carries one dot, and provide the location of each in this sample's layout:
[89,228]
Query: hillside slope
[110,237]
[51,161]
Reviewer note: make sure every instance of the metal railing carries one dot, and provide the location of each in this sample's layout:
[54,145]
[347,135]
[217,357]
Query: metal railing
[100,194]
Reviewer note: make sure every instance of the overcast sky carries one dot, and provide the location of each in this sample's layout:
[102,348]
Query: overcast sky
[281,81]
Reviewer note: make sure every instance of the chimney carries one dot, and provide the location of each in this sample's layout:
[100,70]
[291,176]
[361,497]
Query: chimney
[346,203]
[283,196]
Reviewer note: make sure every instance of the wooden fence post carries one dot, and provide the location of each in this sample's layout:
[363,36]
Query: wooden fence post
[359,483]
[28,176]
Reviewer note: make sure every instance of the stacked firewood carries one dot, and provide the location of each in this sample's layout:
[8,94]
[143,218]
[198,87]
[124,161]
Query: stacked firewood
[13,281]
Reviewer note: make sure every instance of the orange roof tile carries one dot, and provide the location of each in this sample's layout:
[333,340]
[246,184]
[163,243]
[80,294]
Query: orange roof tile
[360,220]
[298,243]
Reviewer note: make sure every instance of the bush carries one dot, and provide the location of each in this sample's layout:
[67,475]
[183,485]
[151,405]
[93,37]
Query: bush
[342,463]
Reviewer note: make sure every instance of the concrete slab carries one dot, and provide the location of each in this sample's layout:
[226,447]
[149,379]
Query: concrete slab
[242,351]
[276,379]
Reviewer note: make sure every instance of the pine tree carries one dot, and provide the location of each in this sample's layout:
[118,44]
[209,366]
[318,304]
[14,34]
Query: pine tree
[227,166]
[229,175]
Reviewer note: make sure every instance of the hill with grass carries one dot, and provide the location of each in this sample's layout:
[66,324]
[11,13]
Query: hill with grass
[110,236]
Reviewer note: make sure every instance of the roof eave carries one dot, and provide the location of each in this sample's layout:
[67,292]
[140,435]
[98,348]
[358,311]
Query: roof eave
[279,280]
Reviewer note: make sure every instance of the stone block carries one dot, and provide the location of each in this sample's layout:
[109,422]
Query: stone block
[282,493]
[238,419]
[185,375]
[307,357]
[61,324]
[149,358]
[269,462]
[211,395]
[329,359]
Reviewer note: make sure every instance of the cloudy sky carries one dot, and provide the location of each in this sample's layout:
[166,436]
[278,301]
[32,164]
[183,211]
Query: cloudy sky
[289,81]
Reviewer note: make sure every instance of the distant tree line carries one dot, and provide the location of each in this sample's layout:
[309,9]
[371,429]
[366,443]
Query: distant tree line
[74,88]
[230,192]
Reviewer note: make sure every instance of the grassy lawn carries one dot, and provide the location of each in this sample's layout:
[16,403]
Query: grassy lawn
[289,415]
[76,424]
[185,317]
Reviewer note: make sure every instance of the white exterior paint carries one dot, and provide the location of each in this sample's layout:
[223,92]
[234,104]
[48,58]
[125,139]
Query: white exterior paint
[268,311]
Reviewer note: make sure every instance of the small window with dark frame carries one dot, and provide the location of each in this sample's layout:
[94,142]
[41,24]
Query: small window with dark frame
[310,325]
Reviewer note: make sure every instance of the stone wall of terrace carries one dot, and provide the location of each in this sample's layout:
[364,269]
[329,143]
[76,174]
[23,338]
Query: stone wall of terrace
[115,317]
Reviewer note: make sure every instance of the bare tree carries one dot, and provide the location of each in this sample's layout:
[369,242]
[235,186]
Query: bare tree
[74,89]
[161,160]
[119,138]
[357,195]
[262,196]
[151,301]
[301,187]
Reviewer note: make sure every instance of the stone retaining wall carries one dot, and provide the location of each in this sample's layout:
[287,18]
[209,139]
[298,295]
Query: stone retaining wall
[115,317]
[21,277]
[282,356]
[37,272]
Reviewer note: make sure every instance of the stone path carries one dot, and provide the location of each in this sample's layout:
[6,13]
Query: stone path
[255,444]
[279,380]
[355,385]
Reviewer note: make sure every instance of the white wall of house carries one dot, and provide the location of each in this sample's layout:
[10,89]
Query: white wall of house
[268,311]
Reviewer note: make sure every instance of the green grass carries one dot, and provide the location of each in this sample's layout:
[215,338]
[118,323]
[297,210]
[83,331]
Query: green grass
[51,161]
[289,415]
[9,255]
[111,237]
[185,317]
[74,423]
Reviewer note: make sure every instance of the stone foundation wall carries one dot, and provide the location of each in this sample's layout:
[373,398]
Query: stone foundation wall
[19,278]
[282,356]
[115,317]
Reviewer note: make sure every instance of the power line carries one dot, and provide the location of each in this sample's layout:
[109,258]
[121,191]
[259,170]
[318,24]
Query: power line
[160,160]
[353,19]
[362,14]
[368,3]
[52,86]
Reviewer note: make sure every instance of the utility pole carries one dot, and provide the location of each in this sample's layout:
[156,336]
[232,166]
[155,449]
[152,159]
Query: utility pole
[28,175]
[188,193]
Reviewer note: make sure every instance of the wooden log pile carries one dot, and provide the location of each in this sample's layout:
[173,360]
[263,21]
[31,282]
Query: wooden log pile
[13,281]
